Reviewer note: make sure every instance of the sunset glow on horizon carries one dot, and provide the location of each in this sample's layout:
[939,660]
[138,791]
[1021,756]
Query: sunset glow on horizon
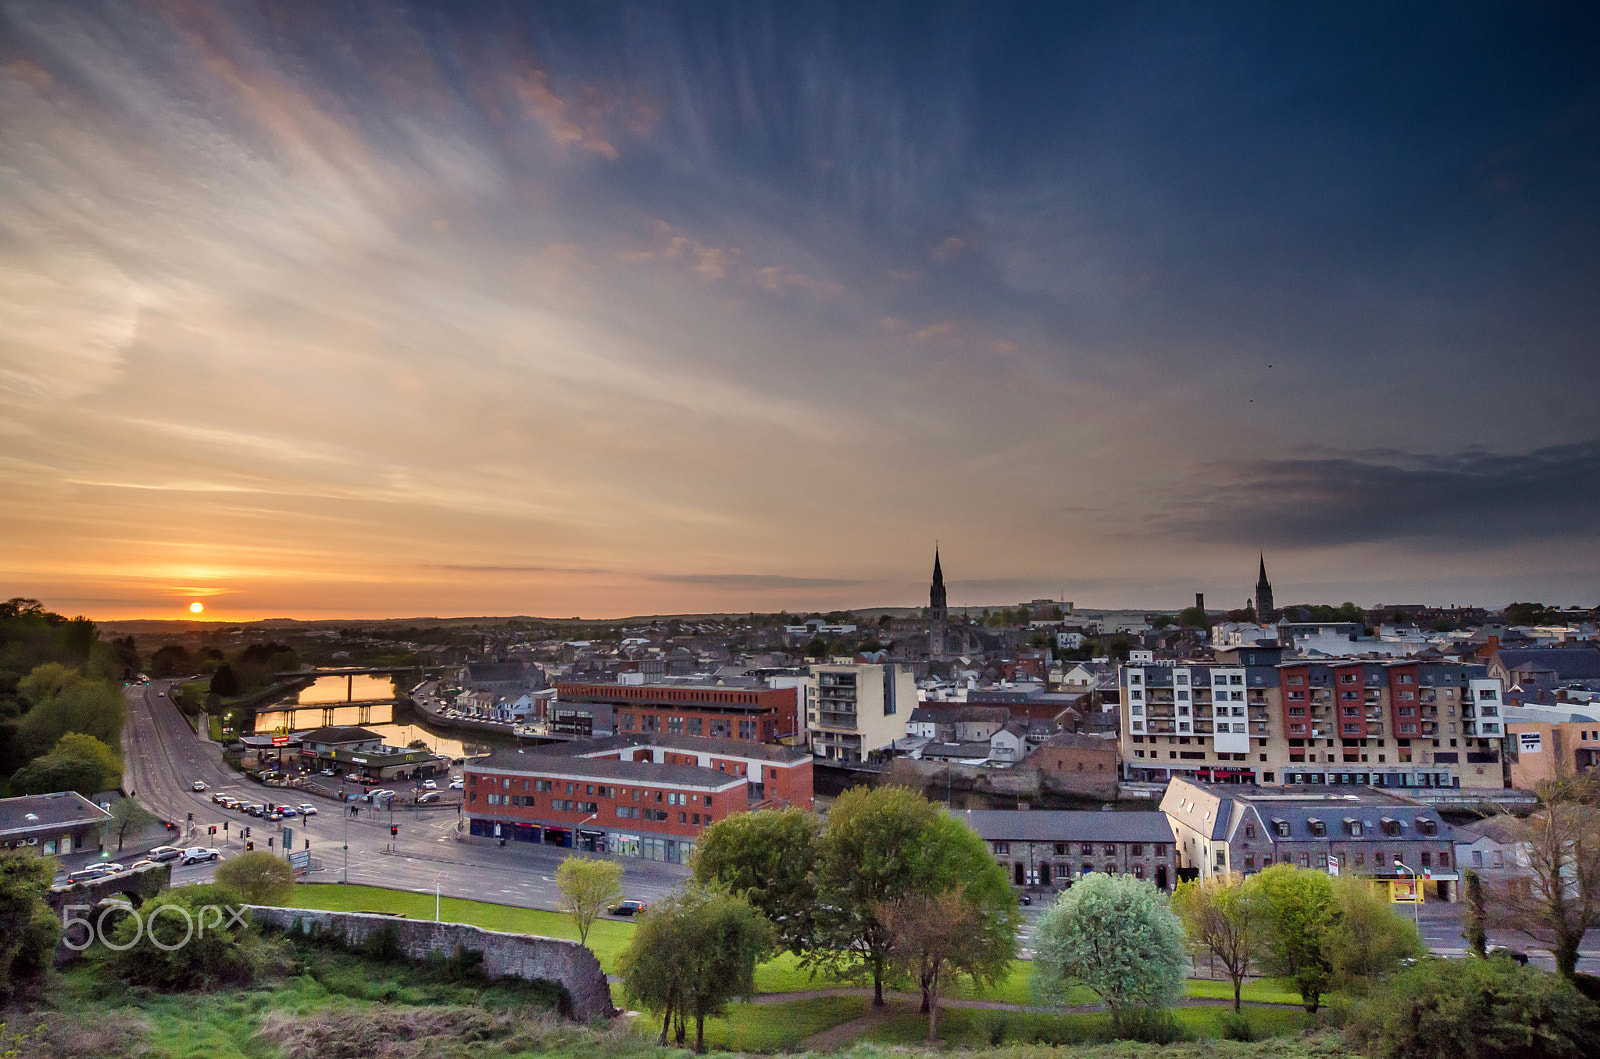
[495,309]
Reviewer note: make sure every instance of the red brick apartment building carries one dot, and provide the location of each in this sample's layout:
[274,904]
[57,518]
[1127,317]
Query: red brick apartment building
[645,796]
[757,715]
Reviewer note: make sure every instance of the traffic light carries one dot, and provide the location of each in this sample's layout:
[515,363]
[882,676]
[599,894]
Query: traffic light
[191,818]
[212,829]
[269,841]
[249,846]
[308,843]
[394,832]
[247,832]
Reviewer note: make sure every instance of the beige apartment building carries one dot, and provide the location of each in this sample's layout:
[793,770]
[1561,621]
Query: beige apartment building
[855,711]
[1250,717]
[1543,750]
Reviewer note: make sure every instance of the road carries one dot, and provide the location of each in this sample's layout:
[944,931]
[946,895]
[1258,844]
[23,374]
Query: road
[164,756]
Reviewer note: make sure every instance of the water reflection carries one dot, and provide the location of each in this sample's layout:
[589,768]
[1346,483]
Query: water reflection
[347,689]
[378,717]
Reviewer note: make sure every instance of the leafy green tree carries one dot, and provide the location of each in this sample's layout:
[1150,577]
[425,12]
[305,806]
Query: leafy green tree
[1194,618]
[172,953]
[871,853]
[766,857]
[1301,911]
[258,877]
[587,886]
[28,927]
[67,701]
[955,858]
[1371,940]
[1476,1009]
[77,762]
[127,817]
[816,647]
[652,968]
[715,940]
[1161,621]
[1116,935]
[1224,918]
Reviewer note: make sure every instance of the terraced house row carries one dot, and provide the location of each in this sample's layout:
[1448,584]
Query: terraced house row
[1251,717]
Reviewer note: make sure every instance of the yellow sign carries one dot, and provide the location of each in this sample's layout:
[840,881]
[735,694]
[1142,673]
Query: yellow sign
[1404,891]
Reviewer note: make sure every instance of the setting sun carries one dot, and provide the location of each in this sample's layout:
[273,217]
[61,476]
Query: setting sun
[196,607]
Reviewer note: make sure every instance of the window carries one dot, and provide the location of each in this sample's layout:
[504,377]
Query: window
[1305,860]
[1444,859]
[1002,847]
[1111,849]
[1061,849]
[1160,849]
[1086,848]
[1249,832]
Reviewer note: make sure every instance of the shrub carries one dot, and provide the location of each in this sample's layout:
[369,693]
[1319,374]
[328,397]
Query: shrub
[1477,1009]
[1235,1026]
[170,951]
[259,877]
[383,945]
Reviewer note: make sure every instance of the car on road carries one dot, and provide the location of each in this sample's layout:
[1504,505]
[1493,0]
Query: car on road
[628,908]
[256,810]
[89,874]
[161,853]
[197,786]
[456,785]
[218,798]
[146,863]
[288,810]
[428,798]
[379,795]
[308,809]
[329,772]
[196,854]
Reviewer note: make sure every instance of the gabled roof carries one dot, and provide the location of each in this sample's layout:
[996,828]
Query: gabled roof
[1570,663]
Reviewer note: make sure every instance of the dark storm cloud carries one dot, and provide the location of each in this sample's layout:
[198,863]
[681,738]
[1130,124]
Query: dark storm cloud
[1469,498]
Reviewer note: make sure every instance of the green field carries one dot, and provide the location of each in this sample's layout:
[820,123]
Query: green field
[607,939]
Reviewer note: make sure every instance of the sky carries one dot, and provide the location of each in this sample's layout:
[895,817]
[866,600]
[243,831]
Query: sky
[377,309]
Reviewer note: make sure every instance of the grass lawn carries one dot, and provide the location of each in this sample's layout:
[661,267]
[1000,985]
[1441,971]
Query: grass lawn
[607,938]
[767,1027]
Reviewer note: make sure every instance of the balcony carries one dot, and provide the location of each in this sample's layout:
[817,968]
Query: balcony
[1166,712]
[1162,728]
[836,718]
[1202,728]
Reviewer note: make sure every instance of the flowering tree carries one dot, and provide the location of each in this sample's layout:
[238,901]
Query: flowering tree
[1116,935]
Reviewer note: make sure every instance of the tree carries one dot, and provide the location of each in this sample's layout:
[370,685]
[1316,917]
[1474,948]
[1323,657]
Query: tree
[957,859]
[1371,940]
[766,857]
[936,937]
[127,816]
[1476,1009]
[1194,618]
[77,762]
[1224,918]
[1116,935]
[171,660]
[259,877]
[870,854]
[224,682]
[1476,934]
[586,887]
[65,701]
[1552,893]
[28,927]
[816,647]
[171,952]
[1300,912]
[708,943]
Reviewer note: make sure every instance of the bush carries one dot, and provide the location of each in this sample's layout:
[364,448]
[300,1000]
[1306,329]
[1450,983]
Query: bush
[258,876]
[1147,1025]
[383,945]
[1588,985]
[170,951]
[1477,1009]
[1235,1026]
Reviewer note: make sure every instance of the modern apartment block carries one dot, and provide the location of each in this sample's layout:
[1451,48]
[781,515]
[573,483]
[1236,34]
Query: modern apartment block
[853,711]
[1251,718]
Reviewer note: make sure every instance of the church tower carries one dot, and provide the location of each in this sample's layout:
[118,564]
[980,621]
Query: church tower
[1263,595]
[938,611]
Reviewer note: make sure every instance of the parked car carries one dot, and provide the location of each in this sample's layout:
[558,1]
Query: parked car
[195,854]
[429,785]
[198,785]
[164,853]
[628,908]
[456,785]
[329,772]
[308,809]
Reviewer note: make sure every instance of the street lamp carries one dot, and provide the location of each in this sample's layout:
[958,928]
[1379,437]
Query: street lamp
[1416,892]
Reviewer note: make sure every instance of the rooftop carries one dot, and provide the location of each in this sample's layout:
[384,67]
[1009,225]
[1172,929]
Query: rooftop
[1034,825]
[42,813]
[510,762]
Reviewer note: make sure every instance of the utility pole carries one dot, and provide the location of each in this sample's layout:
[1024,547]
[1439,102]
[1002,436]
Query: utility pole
[347,845]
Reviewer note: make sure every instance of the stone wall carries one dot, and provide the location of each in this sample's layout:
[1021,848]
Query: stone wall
[134,885]
[523,956]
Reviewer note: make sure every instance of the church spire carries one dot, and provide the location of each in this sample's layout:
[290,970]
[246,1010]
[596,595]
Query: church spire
[1263,594]
[936,593]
